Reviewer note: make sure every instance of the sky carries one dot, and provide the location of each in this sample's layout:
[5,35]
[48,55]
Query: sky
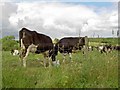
[59,18]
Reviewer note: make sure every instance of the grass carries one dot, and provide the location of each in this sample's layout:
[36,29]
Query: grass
[112,41]
[94,71]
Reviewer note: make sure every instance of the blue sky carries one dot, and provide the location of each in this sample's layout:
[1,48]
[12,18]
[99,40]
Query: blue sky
[98,3]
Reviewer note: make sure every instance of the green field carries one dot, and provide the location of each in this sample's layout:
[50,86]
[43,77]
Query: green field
[92,71]
[103,41]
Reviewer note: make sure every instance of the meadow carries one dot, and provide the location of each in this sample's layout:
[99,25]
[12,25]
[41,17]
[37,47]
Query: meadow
[95,70]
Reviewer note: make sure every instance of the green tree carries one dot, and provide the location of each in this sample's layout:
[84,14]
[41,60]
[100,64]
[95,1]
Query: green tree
[8,43]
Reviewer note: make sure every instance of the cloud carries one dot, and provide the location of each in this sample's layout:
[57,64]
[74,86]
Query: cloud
[58,19]
[7,10]
[103,24]
[46,17]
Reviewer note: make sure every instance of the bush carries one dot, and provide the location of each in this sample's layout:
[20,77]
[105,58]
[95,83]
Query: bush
[8,43]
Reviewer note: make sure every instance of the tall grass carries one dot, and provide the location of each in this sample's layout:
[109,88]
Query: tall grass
[94,71]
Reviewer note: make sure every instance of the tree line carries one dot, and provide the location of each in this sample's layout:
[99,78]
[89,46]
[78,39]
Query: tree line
[9,42]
